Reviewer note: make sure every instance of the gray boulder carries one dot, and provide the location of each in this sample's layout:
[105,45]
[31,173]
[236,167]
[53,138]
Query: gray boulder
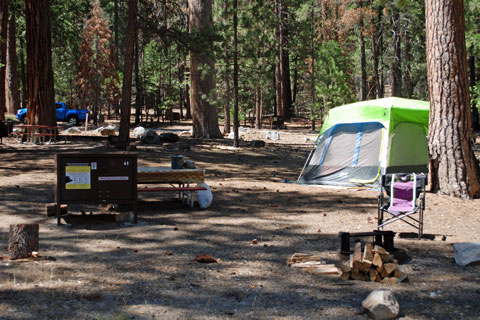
[169,137]
[466,252]
[258,143]
[150,137]
[381,304]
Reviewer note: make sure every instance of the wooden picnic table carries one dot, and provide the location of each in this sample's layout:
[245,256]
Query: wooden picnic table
[36,132]
[178,180]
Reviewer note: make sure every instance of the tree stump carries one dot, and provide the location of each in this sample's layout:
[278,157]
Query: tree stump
[22,240]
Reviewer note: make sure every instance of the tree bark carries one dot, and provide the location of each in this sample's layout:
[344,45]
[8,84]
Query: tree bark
[22,240]
[3,54]
[363,59]
[284,92]
[202,70]
[124,131]
[473,81]
[397,57]
[40,87]
[453,169]
[138,83]
[11,86]
[408,66]
[235,74]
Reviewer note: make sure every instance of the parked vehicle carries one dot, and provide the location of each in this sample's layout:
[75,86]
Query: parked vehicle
[71,116]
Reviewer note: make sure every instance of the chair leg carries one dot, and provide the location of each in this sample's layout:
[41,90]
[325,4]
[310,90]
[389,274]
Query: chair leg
[420,224]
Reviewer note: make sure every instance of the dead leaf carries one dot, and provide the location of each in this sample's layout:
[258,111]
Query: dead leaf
[206,258]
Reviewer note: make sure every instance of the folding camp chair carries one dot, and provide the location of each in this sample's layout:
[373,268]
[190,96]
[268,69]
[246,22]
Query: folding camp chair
[402,196]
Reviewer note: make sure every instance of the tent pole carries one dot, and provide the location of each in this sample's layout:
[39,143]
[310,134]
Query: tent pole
[306,162]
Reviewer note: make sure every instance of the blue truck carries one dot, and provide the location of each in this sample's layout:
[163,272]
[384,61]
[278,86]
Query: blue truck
[71,116]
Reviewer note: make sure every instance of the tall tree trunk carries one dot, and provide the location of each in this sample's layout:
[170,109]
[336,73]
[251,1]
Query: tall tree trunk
[376,79]
[202,70]
[397,57]
[226,103]
[23,74]
[115,30]
[3,54]
[284,92]
[138,82]
[124,131]
[258,106]
[40,87]
[408,67]
[453,169]
[363,59]
[473,81]
[11,88]
[235,74]
[381,83]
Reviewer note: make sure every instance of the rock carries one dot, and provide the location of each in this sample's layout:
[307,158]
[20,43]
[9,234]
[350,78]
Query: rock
[72,130]
[181,146]
[169,137]
[189,164]
[381,304]
[243,130]
[272,135]
[185,133]
[138,132]
[258,143]
[466,252]
[231,135]
[107,131]
[150,137]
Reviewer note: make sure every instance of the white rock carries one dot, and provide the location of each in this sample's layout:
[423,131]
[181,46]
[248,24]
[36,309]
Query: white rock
[272,135]
[138,132]
[231,135]
[466,252]
[381,304]
[72,130]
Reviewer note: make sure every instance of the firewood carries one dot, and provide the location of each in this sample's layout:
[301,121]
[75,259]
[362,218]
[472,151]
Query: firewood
[384,254]
[384,273]
[374,276]
[398,273]
[345,275]
[390,267]
[357,252]
[357,275]
[377,260]
[345,268]
[367,253]
[365,266]
[305,264]
[325,269]
[22,240]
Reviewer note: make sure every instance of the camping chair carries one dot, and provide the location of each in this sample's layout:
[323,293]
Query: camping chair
[405,197]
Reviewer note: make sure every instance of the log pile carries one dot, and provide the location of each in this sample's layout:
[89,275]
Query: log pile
[311,263]
[374,264]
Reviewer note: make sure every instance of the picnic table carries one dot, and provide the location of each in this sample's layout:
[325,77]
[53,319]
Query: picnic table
[178,180]
[36,133]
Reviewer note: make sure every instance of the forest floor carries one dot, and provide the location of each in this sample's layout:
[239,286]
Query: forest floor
[99,269]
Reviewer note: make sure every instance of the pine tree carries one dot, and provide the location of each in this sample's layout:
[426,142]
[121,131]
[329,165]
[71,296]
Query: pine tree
[97,78]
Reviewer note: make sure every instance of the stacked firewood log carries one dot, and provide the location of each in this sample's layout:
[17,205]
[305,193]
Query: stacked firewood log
[311,263]
[374,263]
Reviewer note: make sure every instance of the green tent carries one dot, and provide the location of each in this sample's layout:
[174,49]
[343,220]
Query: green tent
[360,141]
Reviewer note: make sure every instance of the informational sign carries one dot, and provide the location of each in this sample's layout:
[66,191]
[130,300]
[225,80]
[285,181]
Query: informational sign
[78,176]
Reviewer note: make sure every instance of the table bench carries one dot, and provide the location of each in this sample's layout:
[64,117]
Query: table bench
[178,180]
[42,132]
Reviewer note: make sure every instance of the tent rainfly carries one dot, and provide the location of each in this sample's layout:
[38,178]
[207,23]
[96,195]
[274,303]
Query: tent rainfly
[360,141]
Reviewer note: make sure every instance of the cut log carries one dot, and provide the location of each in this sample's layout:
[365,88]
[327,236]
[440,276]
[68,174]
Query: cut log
[365,266]
[345,268]
[357,252]
[373,275]
[345,276]
[325,269]
[368,253]
[377,260]
[357,275]
[390,267]
[22,240]
[52,209]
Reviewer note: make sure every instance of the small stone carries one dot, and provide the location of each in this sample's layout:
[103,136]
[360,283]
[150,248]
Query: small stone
[254,241]
[381,304]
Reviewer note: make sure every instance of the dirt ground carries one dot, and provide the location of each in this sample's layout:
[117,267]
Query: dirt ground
[101,269]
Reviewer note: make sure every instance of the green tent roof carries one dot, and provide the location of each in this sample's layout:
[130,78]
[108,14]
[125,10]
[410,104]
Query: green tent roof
[388,111]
